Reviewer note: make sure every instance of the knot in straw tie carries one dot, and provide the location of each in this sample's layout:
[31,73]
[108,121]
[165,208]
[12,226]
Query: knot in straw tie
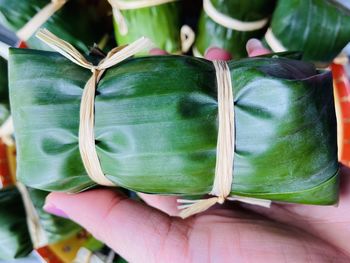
[94,69]
[221,200]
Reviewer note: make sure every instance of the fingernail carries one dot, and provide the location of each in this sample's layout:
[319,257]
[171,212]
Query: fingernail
[157,52]
[215,53]
[52,209]
[256,48]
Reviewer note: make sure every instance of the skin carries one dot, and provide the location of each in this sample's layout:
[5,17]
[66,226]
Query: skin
[152,232]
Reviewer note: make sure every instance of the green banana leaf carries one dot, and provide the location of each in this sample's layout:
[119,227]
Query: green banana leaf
[56,228]
[156,126]
[120,260]
[4,94]
[14,235]
[15,240]
[212,34]
[318,28]
[160,23]
[80,22]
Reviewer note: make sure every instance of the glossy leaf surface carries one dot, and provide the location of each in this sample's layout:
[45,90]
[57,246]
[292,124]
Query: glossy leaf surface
[156,126]
[318,28]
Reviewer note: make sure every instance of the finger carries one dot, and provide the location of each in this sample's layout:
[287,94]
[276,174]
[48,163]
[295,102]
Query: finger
[166,204]
[256,48]
[215,53]
[132,229]
[157,52]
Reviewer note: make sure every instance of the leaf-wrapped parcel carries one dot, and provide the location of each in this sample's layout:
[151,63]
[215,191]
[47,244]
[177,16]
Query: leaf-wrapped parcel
[318,28]
[211,33]
[156,126]
[160,23]
[15,241]
[80,22]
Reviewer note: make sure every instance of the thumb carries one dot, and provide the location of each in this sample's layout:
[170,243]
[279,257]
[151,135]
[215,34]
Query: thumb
[134,230]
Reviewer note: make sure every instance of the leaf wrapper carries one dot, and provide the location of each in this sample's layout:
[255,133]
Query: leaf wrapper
[156,126]
[318,28]
[212,34]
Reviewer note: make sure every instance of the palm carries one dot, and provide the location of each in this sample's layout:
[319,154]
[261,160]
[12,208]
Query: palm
[252,234]
[228,233]
[242,236]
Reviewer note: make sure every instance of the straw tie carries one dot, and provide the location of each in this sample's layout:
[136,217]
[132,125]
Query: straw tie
[224,151]
[87,145]
[230,22]
[39,19]
[226,133]
[37,233]
[274,43]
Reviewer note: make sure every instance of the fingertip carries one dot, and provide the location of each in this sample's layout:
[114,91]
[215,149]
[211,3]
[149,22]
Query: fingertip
[253,44]
[157,52]
[215,53]
[53,198]
[51,207]
[256,48]
[75,205]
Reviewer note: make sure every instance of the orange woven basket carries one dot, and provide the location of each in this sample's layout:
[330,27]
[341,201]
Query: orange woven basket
[342,104]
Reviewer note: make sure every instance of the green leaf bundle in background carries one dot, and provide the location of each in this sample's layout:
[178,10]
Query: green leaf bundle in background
[156,126]
[212,34]
[14,232]
[318,28]
[56,228]
[4,94]
[80,22]
[160,23]
[15,241]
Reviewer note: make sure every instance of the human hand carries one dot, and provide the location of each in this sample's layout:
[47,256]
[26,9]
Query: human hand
[226,233]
